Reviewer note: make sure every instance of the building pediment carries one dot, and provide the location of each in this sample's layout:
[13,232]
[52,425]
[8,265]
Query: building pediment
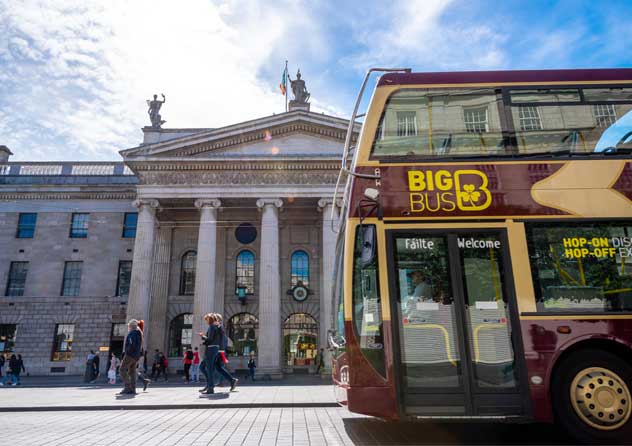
[293,134]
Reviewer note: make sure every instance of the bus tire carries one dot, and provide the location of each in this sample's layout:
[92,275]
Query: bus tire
[591,397]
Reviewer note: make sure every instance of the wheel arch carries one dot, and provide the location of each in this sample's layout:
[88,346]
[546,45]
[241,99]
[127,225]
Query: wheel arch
[615,346]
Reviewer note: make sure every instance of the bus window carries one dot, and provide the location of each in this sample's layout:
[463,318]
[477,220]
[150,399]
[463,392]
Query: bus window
[367,311]
[587,120]
[439,122]
[581,266]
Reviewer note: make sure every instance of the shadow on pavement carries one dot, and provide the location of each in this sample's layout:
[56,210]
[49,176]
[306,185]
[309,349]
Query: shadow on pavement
[214,396]
[373,432]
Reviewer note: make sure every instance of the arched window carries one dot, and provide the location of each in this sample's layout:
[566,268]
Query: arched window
[245,272]
[243,331]
[187,273]
[300,339]
[300,269]
[180,334]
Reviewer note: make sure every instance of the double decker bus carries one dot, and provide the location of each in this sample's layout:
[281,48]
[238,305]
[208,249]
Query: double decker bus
[484,266]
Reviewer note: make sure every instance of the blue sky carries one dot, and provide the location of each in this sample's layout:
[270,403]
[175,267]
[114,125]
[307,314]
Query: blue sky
[75,74]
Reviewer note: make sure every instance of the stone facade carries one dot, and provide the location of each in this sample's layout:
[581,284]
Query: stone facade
[191,190]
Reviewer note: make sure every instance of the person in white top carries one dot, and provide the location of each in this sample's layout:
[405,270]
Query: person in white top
[114,363]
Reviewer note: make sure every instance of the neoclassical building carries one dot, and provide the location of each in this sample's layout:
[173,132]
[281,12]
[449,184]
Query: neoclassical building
[235,220]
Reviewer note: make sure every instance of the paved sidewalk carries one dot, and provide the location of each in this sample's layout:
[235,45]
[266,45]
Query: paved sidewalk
[103,397]
[257,427]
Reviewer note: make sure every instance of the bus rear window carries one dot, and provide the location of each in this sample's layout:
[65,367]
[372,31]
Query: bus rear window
[582,266]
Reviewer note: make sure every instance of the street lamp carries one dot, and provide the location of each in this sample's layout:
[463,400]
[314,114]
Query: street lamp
[241,294]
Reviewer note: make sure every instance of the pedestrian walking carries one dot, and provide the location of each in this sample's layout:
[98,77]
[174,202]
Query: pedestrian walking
[163,366]
[114,363]
[155,365]
[320,360]
[21,367]
[89,372]
[222,360]
[252,365]
[12,372]
[195,366]
[2,361]
[142,363]
[211,341]
[96,367]
[132,348]
[187,361]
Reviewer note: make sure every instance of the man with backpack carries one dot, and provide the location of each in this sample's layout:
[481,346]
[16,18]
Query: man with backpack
[188,361]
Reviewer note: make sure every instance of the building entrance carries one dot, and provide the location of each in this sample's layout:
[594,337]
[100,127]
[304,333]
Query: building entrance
[300,340]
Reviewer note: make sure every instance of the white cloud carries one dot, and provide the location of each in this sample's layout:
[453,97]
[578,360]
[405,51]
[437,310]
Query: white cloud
[414,32]
[75,74]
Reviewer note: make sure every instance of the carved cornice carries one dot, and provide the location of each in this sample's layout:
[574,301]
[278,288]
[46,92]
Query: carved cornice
[67,195]
[242,177]
[144,166]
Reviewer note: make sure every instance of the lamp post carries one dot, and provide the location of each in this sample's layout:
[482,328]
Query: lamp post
[241,294]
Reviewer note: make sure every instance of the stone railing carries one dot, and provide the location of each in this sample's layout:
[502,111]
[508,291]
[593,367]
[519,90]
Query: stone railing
[65,168]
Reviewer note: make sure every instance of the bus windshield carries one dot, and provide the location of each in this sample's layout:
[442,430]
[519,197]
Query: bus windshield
[480,122]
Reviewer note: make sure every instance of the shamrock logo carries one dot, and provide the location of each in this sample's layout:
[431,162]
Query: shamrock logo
[469,194]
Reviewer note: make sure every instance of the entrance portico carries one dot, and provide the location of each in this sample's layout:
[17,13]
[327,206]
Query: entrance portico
[276,175]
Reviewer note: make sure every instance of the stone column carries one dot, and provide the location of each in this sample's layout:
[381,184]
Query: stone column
[328,256]
[269,342]
[156,331]
[140,286]
[205,300]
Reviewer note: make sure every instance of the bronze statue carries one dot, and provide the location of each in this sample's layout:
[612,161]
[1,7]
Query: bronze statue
[301,95]
[154,108]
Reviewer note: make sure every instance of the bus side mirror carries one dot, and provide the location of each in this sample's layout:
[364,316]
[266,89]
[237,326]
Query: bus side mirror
[337,341]
[368,245]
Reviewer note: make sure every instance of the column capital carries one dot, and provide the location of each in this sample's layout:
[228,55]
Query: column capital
[276,202]
[212,203]
[151,202]
[324,202]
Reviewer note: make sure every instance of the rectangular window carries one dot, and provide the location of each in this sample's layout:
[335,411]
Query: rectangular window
[119,330]
[129,224]
[476,120]
[72,279]
[124,278]
[581,266]
[62,344]
[605,114]
[406,123]
[7,337]
[529,118]
[17,278]
[79,225]
[26,225]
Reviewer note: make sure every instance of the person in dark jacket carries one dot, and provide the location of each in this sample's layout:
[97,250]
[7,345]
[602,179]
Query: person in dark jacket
[21,367]
[132,349]
[221,358]
[211,341]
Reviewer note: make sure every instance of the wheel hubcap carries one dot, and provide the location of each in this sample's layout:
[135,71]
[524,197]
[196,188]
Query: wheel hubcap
[601,398]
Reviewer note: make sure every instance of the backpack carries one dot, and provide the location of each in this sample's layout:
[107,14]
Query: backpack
[189,354]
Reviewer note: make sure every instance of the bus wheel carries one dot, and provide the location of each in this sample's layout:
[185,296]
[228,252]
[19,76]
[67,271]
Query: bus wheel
[591,397]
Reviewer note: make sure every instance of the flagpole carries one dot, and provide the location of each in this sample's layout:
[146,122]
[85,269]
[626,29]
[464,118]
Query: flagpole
[286,79]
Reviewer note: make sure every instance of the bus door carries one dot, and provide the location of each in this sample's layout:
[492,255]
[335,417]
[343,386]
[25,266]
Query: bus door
[453,315]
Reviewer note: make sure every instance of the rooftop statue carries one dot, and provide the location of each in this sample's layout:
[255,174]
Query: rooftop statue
[301,95]
[154,109]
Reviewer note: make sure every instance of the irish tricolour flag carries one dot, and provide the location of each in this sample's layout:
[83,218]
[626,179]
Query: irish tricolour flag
[283,84]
